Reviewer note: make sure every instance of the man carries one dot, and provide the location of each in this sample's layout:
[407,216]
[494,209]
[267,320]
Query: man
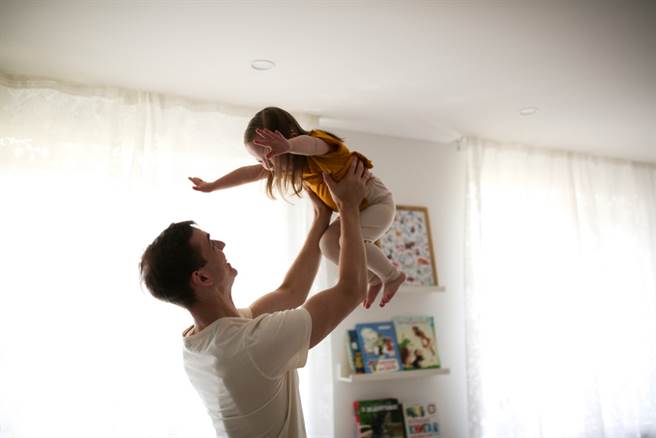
[243,362]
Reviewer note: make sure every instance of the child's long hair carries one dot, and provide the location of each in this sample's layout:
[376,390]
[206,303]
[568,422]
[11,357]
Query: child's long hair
[287,173]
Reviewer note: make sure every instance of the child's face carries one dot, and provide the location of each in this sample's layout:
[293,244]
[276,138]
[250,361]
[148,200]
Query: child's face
[259,153]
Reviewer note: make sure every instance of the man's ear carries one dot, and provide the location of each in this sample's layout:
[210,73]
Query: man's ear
[201,278]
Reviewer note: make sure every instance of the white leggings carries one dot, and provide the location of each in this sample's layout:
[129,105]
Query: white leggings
[375,220]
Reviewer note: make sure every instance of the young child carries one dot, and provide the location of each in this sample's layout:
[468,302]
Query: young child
[291,158]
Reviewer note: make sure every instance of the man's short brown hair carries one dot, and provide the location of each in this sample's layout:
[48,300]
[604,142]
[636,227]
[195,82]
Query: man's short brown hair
[168,262]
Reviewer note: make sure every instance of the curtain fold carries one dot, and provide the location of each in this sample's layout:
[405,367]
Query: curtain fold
[88,177]
[560,282]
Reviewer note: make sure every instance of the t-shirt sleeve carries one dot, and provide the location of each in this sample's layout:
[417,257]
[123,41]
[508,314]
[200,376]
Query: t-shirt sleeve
[279,341]
[329,139]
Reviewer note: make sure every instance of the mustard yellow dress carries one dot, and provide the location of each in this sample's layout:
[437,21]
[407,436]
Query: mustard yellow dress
[334,163]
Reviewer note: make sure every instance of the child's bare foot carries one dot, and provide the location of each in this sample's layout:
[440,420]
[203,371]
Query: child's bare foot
[372,293]
[390,289]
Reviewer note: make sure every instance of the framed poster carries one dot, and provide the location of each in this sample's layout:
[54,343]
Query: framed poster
[408,244]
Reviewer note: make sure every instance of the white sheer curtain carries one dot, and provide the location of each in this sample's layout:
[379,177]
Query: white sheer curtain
[560,294]
[88,178]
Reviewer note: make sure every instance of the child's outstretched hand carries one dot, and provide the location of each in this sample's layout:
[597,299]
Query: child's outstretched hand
[201,185]
[274,142]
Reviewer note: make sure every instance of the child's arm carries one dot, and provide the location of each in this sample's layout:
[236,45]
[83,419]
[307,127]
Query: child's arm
[308,145]
[237,177]
[276,144]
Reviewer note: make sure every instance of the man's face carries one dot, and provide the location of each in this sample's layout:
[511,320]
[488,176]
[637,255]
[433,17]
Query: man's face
[217,265]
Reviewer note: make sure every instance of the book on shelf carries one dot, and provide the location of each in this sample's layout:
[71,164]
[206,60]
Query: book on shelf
[353,353]
[377,342]
[379,418]
[421,420]
[417,342]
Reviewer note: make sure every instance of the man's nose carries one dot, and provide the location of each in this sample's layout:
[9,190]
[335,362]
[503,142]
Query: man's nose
[221,244]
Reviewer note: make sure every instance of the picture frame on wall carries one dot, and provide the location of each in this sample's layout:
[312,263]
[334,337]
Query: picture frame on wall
[408,244]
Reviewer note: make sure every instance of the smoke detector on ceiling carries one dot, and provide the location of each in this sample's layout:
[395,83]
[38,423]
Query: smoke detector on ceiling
[528,111]
[262,64]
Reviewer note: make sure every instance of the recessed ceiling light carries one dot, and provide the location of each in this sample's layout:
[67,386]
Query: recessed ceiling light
[262,64]
[528,111]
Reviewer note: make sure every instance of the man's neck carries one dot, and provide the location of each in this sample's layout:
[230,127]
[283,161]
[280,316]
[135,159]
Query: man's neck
[205,314]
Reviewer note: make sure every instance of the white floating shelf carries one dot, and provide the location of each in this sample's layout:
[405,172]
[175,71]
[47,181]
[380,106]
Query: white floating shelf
[393,375]
[421,289]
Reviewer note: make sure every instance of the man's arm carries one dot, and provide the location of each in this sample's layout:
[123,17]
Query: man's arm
[329,307]
[297,283]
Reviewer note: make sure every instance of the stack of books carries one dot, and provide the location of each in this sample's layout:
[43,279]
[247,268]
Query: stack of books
[405,343]
[389,418]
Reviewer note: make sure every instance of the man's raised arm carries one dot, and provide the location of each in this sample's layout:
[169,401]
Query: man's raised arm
[297,283]
[329,307]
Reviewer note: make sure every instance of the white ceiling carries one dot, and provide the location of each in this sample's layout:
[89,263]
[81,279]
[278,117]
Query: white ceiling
[433,70]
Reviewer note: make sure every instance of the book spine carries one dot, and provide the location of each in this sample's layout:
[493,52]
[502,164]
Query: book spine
[356,408]
[350,354]
[358,363]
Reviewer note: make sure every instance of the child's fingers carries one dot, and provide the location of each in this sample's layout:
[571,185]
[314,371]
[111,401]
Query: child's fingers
[260,143]
[266,133]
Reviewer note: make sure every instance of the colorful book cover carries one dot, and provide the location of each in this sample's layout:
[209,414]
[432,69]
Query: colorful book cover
[380,351]
[417,342]
[381,418]
[354,353]
[421,420]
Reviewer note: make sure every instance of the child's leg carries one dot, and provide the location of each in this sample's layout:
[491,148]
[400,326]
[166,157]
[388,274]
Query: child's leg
[329,245]
[375,221]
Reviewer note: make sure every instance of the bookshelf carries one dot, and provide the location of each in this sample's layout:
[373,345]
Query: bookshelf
[344,376]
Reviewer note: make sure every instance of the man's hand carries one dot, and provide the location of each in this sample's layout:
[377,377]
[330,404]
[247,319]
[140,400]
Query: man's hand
[321,210]
[350,190]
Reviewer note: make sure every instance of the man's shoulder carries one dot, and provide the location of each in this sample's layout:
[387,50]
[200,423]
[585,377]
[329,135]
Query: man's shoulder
[280,322]
[298,314]
[190,331]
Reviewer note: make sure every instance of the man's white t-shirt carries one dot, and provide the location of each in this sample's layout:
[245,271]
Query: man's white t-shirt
[245,372]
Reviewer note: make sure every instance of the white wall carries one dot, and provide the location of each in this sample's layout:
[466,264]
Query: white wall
[431,175]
